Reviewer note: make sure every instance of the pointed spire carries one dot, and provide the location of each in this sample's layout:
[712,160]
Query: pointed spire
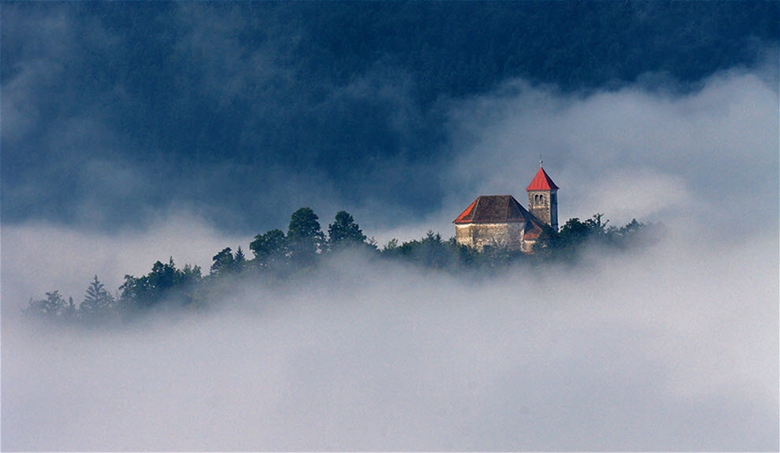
[542,181]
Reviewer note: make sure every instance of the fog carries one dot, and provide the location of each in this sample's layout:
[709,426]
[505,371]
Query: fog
[671,347]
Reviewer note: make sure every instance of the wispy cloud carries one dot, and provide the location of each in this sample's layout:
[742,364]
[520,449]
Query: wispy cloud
[629,153]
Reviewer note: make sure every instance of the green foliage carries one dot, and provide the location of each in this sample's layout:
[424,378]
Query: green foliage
[240,259]
[344,232]
[223,262]
[54,306]
[390,247]
[283,257]
[430,252]
[226,263]
[270,249]
[97,301]
[576,234]
[304,237]
[164,282]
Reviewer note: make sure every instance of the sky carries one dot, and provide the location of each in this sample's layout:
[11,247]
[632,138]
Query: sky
[134,132]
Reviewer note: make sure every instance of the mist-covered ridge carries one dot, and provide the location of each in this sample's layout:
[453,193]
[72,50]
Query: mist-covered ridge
[284,259]
[163,290]
[661,348]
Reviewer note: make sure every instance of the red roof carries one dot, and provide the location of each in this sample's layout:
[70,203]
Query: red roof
[502,209]
[542,181]
[493,209]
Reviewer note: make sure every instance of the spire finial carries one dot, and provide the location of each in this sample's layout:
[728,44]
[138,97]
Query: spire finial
[540,161]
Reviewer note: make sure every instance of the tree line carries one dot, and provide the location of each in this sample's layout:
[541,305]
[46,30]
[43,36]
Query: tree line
[278,256]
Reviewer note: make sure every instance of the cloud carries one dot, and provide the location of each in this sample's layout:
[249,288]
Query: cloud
[39,257]
[628,153]
[214,105]
[669,349]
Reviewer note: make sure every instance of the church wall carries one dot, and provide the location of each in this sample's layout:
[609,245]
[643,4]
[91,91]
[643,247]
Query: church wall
[479,235]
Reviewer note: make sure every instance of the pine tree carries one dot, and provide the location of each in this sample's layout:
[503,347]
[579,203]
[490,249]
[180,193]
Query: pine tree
[240,261]
[97,301]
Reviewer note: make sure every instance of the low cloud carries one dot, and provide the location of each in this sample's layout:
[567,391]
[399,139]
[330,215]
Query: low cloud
[674,348]
[38,257]
[653,155]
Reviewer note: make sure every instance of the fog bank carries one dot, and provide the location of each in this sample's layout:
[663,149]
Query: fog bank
[674,348]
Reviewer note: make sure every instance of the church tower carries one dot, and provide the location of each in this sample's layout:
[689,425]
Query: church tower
[543,198]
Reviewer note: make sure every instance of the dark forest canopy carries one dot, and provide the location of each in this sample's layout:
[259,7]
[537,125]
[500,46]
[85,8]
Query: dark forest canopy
[280,257]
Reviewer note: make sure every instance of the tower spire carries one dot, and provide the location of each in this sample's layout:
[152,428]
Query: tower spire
[543,197]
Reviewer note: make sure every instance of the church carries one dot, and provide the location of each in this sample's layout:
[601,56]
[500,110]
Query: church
[500,221]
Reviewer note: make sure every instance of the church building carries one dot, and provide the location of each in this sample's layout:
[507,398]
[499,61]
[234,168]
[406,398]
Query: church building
[499,221]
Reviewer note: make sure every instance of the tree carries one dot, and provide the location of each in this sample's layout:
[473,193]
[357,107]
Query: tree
[240,259]
[224,262]
[269,249]
[304,236]
[573,232]
[594,231]
[97,301]
[430,252]
[54,306]
[344,232]
[597,227]
[576,232]
[165,281]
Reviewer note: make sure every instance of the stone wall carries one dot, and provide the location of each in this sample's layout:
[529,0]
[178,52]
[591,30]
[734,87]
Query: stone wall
[498,235]
[543,205]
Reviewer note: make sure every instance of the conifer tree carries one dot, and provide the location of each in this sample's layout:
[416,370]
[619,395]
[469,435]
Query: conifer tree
[97,301]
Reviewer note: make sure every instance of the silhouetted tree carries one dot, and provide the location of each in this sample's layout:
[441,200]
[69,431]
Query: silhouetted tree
[344,232]
[240,259]
[54,306]
[270,250]
[304,237]
[576,232]
[429,252]
[165,281]
[97,301]
[224,262]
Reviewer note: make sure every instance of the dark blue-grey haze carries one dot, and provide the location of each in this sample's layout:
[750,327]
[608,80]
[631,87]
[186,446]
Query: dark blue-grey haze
[246,111]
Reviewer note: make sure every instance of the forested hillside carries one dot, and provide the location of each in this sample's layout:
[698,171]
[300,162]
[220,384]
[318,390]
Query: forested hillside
[280,258]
